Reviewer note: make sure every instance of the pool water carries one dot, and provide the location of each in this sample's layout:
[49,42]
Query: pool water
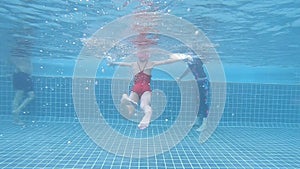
[255,42]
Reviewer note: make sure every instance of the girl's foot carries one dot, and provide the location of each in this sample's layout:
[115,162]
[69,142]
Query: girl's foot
[142,126]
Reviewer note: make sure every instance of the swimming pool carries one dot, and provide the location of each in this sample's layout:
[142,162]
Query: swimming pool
[259,127]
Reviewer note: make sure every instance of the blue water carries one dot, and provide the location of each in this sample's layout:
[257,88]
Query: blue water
[253,35]
[256,42]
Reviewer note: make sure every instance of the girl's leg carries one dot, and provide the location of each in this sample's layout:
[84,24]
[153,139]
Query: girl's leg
[128,104]
[146,107]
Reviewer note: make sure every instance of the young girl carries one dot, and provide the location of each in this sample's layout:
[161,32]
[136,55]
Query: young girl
[141,90]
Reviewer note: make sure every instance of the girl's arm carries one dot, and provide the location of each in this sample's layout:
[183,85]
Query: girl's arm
[173,58]
[121,63]
[110,62]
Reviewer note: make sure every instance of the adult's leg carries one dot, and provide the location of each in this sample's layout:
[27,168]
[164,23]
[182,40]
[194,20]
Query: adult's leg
[26,101]
[15,105]
[204,107]
[146,107]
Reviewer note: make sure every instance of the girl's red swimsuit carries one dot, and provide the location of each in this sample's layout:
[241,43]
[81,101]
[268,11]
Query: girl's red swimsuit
[141,83]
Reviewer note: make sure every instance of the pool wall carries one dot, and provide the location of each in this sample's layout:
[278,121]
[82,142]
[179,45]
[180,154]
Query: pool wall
[247,104]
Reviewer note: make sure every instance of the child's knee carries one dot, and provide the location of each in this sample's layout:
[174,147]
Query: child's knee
[147,108]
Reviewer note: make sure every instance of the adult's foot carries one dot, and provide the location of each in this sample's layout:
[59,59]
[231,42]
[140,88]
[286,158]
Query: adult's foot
[203,126]
[18,122]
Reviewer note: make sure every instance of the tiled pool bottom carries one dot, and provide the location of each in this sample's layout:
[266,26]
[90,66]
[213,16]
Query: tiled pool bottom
[57,145]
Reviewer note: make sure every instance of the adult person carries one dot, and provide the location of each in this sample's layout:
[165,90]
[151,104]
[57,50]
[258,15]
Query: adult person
[23,86]
[195,66]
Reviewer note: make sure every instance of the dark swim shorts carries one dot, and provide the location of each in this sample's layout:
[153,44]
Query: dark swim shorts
[22,81]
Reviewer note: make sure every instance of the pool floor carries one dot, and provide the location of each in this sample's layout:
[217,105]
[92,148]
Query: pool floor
[66,145]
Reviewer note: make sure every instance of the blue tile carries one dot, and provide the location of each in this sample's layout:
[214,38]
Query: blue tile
[46,146]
